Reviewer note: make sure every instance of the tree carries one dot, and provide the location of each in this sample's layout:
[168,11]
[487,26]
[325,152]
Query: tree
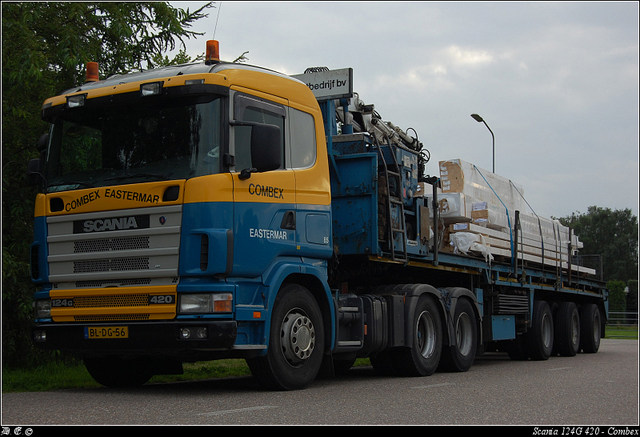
[617,297]
[45,47]
[632,301]
[612,234]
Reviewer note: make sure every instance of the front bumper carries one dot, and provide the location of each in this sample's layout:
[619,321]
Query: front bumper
[148,337]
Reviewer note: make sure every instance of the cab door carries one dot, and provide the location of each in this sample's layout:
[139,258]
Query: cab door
[264,202]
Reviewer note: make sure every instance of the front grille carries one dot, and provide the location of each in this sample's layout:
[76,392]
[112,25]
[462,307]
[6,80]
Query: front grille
[111,265]
[110,244]
[120,300]
[112,318]
[146,254]
[121,283]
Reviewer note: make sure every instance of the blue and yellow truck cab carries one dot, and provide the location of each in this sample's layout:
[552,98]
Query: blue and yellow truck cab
[177,201]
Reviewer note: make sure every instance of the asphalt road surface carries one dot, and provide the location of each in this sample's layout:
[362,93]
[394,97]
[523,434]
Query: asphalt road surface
[588,389]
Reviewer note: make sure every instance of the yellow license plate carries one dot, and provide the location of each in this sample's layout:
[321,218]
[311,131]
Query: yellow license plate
[106,332]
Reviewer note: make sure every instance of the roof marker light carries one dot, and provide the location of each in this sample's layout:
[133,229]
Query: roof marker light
[92,72]
[76,100]
[213,52]
[150,89]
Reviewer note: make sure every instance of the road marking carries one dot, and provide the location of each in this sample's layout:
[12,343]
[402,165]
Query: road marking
[237,410]
[444,384]
[560,368]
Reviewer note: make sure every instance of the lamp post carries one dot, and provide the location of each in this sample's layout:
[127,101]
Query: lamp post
[479,119]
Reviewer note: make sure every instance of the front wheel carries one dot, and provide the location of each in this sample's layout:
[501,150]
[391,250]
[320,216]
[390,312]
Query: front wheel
[114,371]
[296,342]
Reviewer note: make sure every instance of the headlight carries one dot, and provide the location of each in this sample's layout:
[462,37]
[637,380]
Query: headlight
[43,309]
[205,303]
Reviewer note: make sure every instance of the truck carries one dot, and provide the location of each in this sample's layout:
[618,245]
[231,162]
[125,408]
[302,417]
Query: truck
[218,210]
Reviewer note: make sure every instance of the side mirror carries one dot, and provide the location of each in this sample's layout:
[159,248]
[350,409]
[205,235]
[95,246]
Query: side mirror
[266,153]
[42,143]
[266,148]
[35,167]
[34,171]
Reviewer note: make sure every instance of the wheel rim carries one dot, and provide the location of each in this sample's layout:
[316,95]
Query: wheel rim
[596,328]
[546,330]
[463,334]
[575,328]
[426,334]
[298,337]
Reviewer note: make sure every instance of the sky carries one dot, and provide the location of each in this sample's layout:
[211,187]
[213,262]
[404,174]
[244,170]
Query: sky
[556,82]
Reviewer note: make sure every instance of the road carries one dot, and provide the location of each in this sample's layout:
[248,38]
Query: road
[589,389]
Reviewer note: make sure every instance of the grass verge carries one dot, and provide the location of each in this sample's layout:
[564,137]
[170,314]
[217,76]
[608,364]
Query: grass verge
[58,376]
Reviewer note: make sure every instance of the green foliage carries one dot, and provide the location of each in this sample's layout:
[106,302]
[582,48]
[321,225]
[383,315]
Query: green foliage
[612,234]
[617,297]
[45,47]
[632,297]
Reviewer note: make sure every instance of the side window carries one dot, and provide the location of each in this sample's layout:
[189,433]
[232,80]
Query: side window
[253,109]
[303,139]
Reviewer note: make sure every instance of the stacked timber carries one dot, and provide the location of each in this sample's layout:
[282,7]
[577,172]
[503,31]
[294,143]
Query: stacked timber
[478,209]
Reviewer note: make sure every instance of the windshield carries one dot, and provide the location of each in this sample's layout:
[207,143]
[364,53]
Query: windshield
[101,147]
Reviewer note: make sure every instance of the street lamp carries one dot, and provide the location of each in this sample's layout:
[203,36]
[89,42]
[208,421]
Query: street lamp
[479,119]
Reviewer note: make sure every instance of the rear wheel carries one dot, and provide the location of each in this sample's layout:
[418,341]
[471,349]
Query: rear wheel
[459,357]
[590,328]
[567,329]
[539,338]
[115,371]
[423,356]
[296,342]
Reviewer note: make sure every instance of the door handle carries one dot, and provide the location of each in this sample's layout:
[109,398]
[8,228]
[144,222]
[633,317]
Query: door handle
[289,221]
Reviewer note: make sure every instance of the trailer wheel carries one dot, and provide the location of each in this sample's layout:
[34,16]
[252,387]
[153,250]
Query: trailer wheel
[567,329]
[296,342]
[423,356]
[114,371]
[459,357]
[539,338]
[590,329]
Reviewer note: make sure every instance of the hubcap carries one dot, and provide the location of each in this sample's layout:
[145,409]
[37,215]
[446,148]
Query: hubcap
[546,330]
[298,337]
[463,334]
[425,333]
[575,328]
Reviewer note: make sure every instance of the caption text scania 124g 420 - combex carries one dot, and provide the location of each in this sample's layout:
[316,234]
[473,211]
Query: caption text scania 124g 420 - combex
[219,210]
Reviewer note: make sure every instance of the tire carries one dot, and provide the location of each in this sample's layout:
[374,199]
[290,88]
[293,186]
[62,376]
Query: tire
[296,342]
[459,357]
[114,371]
[567,329]
[539,338]
[422,357]
[590,328]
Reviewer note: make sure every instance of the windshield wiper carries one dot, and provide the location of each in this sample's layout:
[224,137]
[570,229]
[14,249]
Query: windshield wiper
[80,183]
[158,177]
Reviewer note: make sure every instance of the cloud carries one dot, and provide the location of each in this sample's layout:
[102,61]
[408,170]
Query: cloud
[557,82]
